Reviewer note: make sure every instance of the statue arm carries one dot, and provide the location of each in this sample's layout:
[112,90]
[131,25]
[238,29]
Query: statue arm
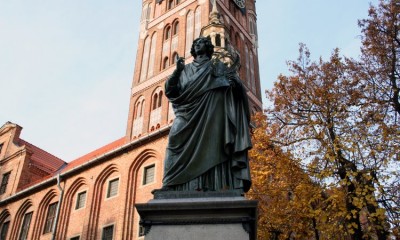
[172,85]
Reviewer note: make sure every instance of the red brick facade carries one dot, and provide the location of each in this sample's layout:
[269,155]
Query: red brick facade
[96,193]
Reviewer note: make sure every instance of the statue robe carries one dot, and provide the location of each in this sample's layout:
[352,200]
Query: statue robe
[209,138]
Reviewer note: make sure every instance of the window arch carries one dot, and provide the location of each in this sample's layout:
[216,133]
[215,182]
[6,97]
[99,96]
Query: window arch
[218,40]
[4,224]
[170,4]
[167,33]
[137,125]
[155,114]
[197,22]
[173,59]
[246,54]
[145,60]
[146,12]
[252,76]
[189,32]
[152,55]
[139,108]
[176,28]
[155,101]
[165,63]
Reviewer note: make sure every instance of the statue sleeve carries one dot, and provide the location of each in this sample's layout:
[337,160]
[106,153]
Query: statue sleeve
[172,85]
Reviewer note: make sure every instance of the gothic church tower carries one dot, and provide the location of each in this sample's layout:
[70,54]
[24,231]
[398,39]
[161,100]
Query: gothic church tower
[167,29]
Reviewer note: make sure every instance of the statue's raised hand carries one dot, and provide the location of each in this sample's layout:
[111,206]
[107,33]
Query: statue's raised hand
[180,63]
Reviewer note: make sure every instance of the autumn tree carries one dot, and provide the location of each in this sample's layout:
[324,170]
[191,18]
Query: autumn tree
[380,60]
[379,71]
[290,203]
[324,119]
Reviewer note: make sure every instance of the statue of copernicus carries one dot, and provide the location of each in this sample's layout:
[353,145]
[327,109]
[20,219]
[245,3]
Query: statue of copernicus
[210,136]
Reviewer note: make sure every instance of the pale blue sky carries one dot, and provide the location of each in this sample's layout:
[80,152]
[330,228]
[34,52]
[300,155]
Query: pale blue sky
[66,66]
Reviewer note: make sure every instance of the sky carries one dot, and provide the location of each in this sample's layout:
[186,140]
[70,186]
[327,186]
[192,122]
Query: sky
[66,67]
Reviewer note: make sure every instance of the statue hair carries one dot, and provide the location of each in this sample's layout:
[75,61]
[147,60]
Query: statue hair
[209,46]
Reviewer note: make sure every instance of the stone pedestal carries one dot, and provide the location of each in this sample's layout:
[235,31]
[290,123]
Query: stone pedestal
[198,215]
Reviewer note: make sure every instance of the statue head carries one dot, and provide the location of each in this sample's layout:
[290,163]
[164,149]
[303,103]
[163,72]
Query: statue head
[209,46]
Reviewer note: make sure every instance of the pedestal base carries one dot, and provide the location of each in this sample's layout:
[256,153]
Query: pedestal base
[210,215]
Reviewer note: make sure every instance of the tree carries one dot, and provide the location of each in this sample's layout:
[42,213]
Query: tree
[379,71]
[381,53]
[289,201]
[323,118]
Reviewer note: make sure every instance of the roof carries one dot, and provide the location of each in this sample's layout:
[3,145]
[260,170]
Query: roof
[98,152]
[43,159]
[55,164]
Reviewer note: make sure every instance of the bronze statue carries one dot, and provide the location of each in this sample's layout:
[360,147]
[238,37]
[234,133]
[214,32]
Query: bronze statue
[209,139]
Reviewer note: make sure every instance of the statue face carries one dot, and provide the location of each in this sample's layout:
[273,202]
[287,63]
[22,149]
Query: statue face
[200,47]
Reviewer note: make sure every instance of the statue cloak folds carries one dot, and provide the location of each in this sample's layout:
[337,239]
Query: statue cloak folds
[209,139]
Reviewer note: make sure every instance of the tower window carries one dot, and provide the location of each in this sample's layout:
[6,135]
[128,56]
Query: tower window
[165,63]
[218,40]
[176,27]
[174,57]
[4,182]
[170,4]
[75,238]
[155,100]
[167,33]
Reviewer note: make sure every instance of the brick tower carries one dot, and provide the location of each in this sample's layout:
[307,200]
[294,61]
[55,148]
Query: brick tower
[168,28]
[93,197]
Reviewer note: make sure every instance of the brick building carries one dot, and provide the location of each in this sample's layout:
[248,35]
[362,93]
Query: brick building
[93,197]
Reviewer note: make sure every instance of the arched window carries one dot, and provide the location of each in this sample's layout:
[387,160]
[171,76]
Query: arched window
[170,4]
[167,33]
[173,60]
[197,22]
[155,101]
[152,55]
[145,60]
[160,99]
[4,224]
[165,63]
[218,40]
[155,114]
[189,32]
[139,108]
[137,125]
[246,54]
[252,77]
[176,28]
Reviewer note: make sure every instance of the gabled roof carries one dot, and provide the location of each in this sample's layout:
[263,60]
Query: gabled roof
[43,159]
